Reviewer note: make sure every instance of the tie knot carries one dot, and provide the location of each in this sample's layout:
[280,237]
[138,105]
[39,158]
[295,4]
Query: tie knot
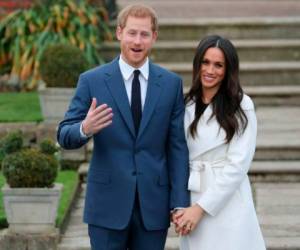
[136,72]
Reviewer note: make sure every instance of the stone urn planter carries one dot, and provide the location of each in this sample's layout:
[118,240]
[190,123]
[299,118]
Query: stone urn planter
[31,210]
[61,65]
[54,102]
[30,195]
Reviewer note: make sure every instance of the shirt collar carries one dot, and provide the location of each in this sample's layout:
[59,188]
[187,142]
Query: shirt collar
[127,70]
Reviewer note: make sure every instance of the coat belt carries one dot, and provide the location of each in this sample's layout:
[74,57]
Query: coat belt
[197,167]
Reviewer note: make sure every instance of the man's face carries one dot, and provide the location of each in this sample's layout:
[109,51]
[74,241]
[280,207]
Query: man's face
[136,40]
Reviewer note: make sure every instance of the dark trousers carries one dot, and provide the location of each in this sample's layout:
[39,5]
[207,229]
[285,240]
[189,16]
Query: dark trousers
[133,237]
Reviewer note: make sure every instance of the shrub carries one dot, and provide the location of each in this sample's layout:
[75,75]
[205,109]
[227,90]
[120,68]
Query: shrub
[48,147]
[30,167]
[12,142]
[61,65]
[9,144]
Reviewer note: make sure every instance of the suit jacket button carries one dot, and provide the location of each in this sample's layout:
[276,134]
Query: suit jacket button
[134,173]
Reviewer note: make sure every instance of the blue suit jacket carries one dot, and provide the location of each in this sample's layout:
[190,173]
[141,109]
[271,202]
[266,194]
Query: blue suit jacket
[155,160]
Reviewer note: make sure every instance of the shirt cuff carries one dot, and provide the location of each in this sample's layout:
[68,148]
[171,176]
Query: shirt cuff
[176,208]
[82,134]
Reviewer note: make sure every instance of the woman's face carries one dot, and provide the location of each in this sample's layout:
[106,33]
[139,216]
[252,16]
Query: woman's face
[212,69]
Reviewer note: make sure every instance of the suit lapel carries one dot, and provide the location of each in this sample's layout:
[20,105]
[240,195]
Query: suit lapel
[115,84]
[152,96]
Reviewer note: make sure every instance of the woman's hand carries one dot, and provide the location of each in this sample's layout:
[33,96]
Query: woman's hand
[187,219]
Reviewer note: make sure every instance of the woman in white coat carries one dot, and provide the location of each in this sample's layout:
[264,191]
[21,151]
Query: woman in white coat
[221,130]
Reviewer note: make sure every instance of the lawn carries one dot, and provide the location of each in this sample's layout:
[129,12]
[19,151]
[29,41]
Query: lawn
[20,107]
[68,178]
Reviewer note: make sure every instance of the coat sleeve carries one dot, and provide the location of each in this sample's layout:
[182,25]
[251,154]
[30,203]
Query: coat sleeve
[178,155]
[240,154]
[68,134]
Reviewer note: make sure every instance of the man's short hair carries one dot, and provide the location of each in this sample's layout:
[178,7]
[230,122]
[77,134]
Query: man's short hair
[137,10]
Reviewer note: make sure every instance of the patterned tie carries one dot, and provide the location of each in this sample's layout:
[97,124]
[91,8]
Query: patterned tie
[136,104]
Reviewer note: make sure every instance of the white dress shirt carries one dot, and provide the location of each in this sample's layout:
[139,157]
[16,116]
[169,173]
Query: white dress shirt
[127,74]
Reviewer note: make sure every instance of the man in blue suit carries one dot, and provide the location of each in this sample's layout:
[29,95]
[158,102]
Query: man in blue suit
[133,110]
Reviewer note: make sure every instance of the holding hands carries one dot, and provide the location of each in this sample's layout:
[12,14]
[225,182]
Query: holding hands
[186,219]
[97,118]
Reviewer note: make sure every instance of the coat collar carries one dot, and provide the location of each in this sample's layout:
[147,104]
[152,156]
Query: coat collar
[115,84]
[127,70]
[209,134]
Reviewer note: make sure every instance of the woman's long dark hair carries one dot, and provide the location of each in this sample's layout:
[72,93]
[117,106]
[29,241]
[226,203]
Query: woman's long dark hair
[226,102]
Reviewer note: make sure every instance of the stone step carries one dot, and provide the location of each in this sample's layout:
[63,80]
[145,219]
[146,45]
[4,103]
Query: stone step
[278,206]
[232,28]
[76,229]
[194,29]
[276,167]
[75,243]
[274,152]
[251,73]
[274,95]
[278,133]
[223,8]
[248,50]
[275,171]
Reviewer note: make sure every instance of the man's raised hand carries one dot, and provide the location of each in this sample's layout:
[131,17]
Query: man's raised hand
[97,118]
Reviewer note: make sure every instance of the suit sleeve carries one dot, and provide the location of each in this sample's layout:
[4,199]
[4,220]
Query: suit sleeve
[178,155]
[68,134]
[239,157]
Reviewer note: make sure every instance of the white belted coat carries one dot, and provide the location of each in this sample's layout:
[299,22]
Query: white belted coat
[220,185]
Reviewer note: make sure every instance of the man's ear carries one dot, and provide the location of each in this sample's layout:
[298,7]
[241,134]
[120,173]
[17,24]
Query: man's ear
[155,35]
[119,33]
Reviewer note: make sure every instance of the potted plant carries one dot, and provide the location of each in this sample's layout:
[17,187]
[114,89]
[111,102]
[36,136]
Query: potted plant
[30,195]
[61,65]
